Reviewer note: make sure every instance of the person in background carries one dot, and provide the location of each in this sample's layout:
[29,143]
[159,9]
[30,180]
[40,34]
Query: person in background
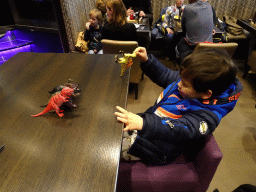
[93,32]
[215,18]
[173,12]
[101,5]
[197,25]
[117,27]
[193,102]
[142,6]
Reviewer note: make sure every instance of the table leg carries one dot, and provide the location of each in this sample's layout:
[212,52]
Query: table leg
[1,148]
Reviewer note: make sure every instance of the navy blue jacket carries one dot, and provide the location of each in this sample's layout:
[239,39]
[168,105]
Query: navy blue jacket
[173,123]
[94,37]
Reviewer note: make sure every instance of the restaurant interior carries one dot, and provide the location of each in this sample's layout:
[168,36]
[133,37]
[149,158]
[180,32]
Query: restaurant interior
[51,26]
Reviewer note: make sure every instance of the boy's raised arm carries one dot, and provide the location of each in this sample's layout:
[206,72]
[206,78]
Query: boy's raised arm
[154,69]
[141,54]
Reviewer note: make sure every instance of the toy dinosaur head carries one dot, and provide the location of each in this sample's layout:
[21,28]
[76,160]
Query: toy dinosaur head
[73,86]
[66,91]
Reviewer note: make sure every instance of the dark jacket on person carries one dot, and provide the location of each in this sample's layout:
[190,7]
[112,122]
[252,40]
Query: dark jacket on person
[94,37]
[126,32]
[174,124]
[197,22]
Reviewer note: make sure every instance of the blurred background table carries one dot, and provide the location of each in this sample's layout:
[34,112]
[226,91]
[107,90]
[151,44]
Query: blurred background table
[78,152]
[143,31]
[247,25]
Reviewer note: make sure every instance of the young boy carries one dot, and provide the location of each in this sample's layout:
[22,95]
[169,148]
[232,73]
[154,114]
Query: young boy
[172,12]
[93,32]
[191,106]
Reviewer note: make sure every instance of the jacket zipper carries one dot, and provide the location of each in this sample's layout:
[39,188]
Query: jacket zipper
[170,123]
[159,104]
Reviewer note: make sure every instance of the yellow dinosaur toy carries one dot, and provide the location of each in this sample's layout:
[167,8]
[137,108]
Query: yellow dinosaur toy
[125,61]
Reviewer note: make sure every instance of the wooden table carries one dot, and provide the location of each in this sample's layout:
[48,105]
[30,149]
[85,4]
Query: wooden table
[78,152]
[144,29]
[144,33]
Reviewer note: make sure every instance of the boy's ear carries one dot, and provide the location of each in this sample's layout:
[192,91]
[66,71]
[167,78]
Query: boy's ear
[207,94]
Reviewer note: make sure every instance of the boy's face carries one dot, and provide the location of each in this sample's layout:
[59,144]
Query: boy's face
[94,21]
[187,91]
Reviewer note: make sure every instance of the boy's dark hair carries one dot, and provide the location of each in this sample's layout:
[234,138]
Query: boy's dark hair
[96,13]
[209,69]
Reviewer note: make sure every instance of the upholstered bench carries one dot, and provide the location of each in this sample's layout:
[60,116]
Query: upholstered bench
[181,175]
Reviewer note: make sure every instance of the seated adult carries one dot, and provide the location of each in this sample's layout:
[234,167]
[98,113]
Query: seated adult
[117,27]
[197,25]
[101,5]
[215,18]
[141,6]
[174,11]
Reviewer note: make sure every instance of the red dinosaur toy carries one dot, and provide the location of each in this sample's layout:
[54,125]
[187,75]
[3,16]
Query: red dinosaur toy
[57,100]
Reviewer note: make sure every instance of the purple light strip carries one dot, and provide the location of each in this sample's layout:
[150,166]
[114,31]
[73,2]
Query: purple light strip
[5,55]
[10,46]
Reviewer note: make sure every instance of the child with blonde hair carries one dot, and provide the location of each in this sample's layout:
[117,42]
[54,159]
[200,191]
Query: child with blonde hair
[93,32]
[117,27]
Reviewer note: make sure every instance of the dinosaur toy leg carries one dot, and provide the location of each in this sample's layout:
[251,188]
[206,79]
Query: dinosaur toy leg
[57,110]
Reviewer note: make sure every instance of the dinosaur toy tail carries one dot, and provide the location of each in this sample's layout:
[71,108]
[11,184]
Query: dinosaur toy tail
[42,113]
[39,114]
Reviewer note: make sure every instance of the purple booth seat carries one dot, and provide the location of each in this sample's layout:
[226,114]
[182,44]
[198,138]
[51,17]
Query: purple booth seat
[180,175]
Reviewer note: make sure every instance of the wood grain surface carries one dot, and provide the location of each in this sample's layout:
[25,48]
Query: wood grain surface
[78,152]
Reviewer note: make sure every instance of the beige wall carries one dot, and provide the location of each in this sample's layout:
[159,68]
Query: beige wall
[236,8]
[76,12]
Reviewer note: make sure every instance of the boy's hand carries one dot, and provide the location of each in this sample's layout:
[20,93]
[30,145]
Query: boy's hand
[141,54]
[131,120]
[88,25]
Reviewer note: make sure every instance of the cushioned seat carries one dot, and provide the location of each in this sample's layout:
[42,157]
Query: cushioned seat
[181,175]
[234,38]
[158,178]
[229,47]
[114,46]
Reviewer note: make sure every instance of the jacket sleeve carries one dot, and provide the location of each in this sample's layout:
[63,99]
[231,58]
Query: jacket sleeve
[158,73]
[168,18]
[183,22]
[190,126]
[87,35]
